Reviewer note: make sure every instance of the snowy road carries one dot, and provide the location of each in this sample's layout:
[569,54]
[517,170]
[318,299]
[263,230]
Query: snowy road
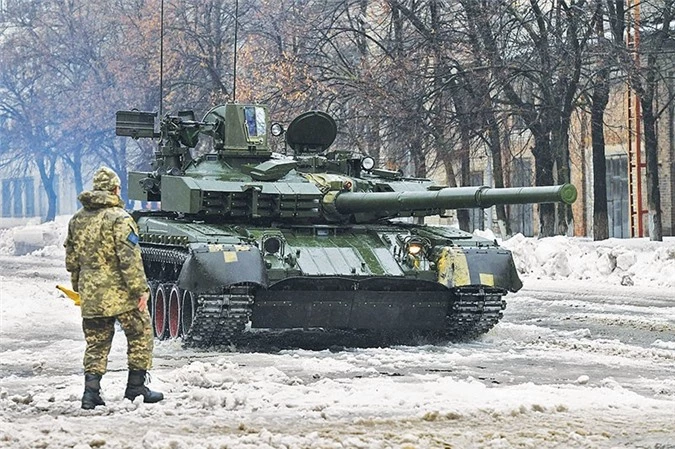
[573,364]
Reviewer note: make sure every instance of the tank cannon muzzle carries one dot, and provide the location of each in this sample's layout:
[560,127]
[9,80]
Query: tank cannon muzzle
[427,202]
[565,193]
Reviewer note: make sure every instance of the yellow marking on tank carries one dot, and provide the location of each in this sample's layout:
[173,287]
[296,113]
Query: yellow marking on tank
[453,268]
[487,279]
[215,248]
[230,256]
[461,272]
[242,248]
[442,267]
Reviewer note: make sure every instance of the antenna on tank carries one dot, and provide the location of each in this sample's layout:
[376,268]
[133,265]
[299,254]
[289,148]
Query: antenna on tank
[236,30]
[161,59]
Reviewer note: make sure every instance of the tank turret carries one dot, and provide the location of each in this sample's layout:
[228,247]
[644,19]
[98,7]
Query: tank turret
[241,180]
[306,240]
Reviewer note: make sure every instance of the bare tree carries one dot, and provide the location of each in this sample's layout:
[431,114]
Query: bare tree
[602,59]
[27,95]
[535,53]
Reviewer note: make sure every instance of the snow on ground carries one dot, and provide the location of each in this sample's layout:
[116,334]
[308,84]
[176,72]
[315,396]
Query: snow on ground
[585,357]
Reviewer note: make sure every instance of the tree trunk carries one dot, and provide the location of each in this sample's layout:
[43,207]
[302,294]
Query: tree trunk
[46,166]
[375,141]
[121,169]
[560,147]
[449,170]
[79,182]
[75,165]
[543,168]
[651,153]
[562,161]
[498,170]
[598,105]
[463,215]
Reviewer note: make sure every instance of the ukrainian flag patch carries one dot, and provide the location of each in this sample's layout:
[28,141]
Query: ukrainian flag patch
[133,238]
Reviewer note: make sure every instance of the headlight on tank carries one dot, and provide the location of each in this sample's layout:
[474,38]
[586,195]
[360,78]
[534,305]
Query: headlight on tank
[272,245]
[276,129]
[367,163]
[415,248]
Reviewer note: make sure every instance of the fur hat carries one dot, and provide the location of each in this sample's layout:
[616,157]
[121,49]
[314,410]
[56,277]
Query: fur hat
[106,179]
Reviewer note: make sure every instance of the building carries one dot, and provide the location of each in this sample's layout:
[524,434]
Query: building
[23,197]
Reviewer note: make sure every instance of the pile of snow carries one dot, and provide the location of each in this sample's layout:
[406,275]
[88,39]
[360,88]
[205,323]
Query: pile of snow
[616,261]
[44,239]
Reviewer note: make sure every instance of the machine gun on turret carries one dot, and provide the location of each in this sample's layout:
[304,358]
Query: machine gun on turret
[240,131]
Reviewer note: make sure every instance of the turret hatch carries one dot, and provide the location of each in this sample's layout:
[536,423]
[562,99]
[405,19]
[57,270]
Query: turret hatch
[311,132]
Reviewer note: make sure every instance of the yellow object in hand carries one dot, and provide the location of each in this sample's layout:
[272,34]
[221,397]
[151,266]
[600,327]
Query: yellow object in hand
[73,295]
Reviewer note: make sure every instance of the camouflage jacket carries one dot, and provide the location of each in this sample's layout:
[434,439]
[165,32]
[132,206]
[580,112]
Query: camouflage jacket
[103,256]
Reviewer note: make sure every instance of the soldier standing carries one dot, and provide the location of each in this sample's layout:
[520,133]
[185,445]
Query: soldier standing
[104,261]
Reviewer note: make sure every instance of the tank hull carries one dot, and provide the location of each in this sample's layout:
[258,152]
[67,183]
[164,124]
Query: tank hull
[346,277]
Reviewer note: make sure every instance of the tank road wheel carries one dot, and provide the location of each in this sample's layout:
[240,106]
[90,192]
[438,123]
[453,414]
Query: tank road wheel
[174,314]
[187,312]
[160,306]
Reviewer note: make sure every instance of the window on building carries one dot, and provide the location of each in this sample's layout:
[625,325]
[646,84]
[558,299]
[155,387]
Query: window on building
[7,198]
[617,196]
[29,191]
[17,201]
[18,197]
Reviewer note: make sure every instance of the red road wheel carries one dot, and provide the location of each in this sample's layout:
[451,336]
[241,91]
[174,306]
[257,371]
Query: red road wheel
[159,308]
[187,312]
[175,297]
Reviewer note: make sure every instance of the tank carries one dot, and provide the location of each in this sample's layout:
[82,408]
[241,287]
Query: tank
[246,239]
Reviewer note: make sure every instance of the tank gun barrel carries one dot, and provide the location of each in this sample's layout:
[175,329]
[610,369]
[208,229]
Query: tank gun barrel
[451,198]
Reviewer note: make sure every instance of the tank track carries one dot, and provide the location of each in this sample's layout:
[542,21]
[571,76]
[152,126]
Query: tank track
[219,318]
[474,312]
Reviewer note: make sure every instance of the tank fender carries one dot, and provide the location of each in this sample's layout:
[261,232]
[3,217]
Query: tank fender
[488,267]
[209,268]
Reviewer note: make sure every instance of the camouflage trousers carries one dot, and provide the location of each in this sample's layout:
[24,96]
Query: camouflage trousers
[99,332]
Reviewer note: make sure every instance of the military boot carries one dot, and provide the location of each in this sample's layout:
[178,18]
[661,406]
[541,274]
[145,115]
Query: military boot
[136,387]
[92,391]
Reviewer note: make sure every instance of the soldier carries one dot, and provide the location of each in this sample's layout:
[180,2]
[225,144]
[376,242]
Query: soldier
[104,261]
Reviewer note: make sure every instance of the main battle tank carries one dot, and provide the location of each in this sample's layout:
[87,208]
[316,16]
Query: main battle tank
[314,241]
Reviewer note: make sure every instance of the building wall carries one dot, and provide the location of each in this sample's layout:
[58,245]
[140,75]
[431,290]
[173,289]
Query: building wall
[23,199]
[666,132]
[581,160]
[616,147]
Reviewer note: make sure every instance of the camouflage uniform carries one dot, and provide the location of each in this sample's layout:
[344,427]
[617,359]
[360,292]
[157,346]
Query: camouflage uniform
[104,260]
